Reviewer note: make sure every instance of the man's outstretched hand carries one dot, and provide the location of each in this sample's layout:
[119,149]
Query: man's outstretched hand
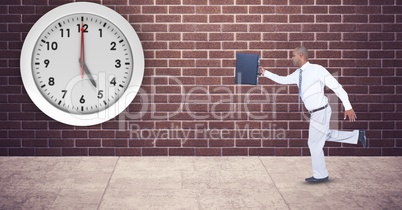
[261,70]
[351,115]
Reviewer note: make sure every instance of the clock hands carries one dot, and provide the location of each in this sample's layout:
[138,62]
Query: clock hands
[81,60]
[87,72]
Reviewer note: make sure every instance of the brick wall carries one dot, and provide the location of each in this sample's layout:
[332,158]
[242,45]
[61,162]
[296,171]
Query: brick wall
[188,103]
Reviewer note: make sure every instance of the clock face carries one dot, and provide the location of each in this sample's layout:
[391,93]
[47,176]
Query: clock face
[60,54]
[82,63]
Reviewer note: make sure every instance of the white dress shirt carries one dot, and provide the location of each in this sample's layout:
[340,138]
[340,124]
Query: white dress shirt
[314,77]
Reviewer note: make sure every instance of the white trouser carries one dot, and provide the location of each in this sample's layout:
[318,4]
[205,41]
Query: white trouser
[319,132]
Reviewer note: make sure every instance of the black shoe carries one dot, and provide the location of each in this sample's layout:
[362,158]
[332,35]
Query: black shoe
[362,137]
[314,180]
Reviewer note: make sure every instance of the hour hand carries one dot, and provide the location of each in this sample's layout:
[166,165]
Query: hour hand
[87,72]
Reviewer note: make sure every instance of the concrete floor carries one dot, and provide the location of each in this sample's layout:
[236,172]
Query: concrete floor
[198,183]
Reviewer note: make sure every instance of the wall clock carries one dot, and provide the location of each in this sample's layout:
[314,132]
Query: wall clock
[82,63]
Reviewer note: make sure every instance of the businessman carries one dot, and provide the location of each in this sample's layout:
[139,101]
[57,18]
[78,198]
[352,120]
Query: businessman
[310,79]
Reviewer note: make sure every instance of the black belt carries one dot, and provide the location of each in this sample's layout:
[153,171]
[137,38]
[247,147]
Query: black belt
[319,109]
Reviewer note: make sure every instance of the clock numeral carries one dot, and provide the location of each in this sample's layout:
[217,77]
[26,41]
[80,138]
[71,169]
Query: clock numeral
[64,93]
[62,32]
[82,100]
[51,81]
[100,94]
[113,46]
[85,26]
[113,81]
[52,45]
[100,32]
[46,63]
[118,63]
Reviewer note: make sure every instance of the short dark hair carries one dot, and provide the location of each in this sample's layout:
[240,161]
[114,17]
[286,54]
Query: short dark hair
[302,49]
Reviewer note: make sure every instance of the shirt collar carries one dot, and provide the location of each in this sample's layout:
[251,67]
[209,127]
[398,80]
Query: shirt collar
[305,66]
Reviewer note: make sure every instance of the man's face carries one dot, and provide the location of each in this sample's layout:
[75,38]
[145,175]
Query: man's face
[296,58]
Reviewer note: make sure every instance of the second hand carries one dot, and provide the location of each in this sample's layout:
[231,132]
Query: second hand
[82,50]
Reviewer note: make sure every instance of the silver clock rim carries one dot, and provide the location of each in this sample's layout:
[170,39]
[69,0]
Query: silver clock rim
[82,119]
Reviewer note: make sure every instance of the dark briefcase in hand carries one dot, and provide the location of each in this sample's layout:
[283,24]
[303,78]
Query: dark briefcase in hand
[247,69]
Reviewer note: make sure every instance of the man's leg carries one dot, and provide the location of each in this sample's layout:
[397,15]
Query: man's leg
[318,134]
[349,137]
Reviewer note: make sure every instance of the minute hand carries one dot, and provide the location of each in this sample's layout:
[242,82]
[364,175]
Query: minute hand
[87,72]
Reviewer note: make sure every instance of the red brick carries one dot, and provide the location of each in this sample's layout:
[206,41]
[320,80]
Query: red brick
[221,18]
[208,9]
[342,28]
[48,152]
[287,152]
[208,151]
[301,36]
[88,143]
[181,151]
[274,2]
[159,2]
[355,18]
[10,18]
[182,28]
[234,151]
[21,151]
[391,151]
[288,9]
[275,36]
[355,2]
[154,28]
[154,9]
[248,18]
[314,9]
[392,27]
[248,36]
[381,19]
[168,18]
[195,2]
[154,151]
[195,36]
[315,28]
[381,37]
[102,151]
[234,9]
[341,9]
[248,143]
[75,151]
[141,18]
[383,2]
[128,9]
[128,151]
[168,54]
[181,9]
[208,27]
[234,28]
[328,18]
[301,18]
[392,9]
[368,9]
[261,151]
[195,18]
[368,27]
[48,134]
[261,9]
[154,45]
[275,19]
[168,143]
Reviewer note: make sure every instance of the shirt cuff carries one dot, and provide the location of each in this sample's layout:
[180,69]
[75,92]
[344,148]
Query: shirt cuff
[347,105]
[267,74]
